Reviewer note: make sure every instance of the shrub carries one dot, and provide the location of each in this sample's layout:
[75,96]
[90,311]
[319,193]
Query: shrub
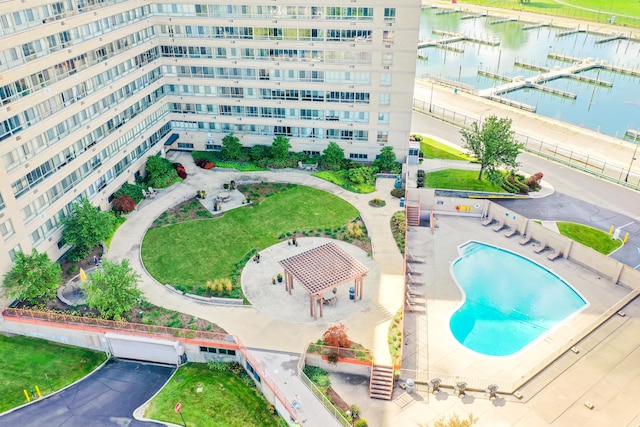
[332,358]
[355,411]
[360,423]
[258,152]
[533,182]
[132,190]
[377,202]
[124,204]
[336,336]
[398,192]
[355,230]
[160,172]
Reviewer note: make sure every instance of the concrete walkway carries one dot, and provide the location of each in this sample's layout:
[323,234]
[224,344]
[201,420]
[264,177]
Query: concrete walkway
[260,327]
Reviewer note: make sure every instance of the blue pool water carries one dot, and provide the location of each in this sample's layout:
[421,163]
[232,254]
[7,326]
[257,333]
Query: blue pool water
[509,301]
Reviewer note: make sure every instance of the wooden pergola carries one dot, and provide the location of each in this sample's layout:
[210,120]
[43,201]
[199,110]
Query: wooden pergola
[321,270]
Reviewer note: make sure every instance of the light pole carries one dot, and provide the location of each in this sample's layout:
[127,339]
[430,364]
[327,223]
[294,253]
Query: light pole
[635,141]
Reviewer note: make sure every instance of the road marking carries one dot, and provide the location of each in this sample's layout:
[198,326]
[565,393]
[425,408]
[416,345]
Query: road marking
[623,226]
[636,267]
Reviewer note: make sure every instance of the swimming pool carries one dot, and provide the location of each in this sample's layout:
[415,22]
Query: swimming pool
[509,301]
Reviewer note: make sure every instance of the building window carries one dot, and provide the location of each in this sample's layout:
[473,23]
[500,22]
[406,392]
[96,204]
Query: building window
[389,13]
[358,156]
[14,251]
[385,99]
[383,118]
[385,79]
[185,145]
[226,351]
[383,136]
[61,244]
[6,229]
[311,152]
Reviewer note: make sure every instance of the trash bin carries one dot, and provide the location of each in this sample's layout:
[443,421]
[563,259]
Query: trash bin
[352,293]
[410,384]
[398,183]
[402,202]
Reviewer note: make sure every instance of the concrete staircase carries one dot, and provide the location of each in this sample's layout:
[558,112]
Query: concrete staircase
[381,382]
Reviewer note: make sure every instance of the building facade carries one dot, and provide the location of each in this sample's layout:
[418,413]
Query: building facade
[90,88]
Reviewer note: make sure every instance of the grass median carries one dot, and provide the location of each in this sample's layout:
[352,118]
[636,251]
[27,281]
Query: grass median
[589,236]
[459,179]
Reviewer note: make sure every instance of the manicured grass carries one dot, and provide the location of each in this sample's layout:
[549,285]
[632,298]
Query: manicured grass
[193,252]
[25,361]
[458,179]
[436,150]
[589,236]
[602,9]
[340,178]
[225,400]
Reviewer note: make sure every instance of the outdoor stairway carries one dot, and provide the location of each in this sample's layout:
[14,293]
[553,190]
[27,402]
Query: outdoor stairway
[381,383]
[413,213]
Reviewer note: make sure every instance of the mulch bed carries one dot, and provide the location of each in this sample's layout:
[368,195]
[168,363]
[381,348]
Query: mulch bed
[337,400]
[69,272]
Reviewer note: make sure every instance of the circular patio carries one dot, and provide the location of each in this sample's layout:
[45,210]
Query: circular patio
[275,300]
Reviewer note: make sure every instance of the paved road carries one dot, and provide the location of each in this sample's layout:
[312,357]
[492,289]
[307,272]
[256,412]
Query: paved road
[105,399]
[593,201]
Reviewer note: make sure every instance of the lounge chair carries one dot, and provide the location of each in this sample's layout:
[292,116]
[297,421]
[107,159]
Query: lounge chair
[145,194]
[411,258]
[557,253]
[152,192]
[542,245]
[415,308]
[414,301]
[411,279]
[525,239]
[413,270]
[510,232]
[499,226]
[414,292]
[488,220]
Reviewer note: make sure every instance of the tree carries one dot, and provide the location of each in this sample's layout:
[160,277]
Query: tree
[87,226]
[336,336]
[160,173]
[386,161]
[112,290]
[332,156]
[280,147]
[493,144]
[456,421]
[33,277]
[361,175]
[231,147]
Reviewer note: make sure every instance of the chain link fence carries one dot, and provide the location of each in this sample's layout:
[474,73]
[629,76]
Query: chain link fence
[624,176]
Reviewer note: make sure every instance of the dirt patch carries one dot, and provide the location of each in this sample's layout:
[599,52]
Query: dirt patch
[70,269]
[258,192]
[337,400]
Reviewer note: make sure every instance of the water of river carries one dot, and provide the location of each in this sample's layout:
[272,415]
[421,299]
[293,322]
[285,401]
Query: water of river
[608,110]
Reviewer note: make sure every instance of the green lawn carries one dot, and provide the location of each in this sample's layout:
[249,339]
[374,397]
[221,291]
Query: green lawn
[25,361]
[225,401]
[436,150]
[193,252]
[589,236]
[340,178]
[602,9]
[458,179]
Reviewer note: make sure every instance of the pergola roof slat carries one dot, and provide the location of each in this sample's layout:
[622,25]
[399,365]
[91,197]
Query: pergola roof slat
[323,268]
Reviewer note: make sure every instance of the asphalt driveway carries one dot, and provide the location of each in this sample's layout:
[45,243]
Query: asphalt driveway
[106,398]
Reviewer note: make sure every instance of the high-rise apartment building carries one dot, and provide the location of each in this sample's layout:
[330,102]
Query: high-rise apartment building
[90,88]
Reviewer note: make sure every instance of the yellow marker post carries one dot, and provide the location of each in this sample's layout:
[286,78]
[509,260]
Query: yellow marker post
[38,391]
[611,230]
[626,237]
[27,396]
[83,275]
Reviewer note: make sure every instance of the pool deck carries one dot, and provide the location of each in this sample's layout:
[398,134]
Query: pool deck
[440,354]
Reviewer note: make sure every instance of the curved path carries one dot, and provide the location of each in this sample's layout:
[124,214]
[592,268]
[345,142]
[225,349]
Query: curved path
[257,328]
